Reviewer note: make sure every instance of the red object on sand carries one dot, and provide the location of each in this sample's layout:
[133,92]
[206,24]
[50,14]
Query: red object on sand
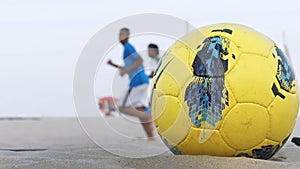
[107,105]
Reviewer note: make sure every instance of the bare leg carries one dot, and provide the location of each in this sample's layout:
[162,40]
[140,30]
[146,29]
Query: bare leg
[134,112]
[146,119]
[148,126]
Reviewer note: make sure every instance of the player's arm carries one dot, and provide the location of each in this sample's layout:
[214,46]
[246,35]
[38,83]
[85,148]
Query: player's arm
[111,63]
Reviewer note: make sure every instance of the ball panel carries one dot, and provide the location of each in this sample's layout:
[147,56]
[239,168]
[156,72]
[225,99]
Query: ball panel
[251,80]
[249,40]
[283,114]
[179,70]
[165,111]
[179,130]
[172,75]
[170,119]
[165,60]
[181,54]
[212,145]
[154,96]
[297,93]
[264,150]
[233,56]
[167,84]
[245,126]
[230,103]
[272,61]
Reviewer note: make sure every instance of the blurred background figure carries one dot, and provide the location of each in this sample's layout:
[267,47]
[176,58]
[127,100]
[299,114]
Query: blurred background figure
[153,53]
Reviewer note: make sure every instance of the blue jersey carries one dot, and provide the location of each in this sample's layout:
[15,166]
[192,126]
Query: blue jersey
[137,76]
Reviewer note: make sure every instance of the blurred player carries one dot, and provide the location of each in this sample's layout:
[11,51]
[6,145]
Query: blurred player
[135,101]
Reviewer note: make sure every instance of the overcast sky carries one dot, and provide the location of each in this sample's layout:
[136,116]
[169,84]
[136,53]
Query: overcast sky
[40,41]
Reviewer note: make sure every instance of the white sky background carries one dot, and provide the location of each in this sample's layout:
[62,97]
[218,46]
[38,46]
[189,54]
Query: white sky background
[40,41]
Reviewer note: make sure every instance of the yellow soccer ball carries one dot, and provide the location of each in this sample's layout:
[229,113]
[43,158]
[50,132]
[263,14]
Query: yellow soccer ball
[225,90]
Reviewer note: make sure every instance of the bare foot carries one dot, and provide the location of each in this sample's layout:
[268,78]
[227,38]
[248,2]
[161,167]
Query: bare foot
[151,139]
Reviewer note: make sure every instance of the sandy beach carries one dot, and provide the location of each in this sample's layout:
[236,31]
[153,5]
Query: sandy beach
[62,143]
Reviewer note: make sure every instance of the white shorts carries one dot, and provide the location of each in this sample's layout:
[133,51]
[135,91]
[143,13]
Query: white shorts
[135,97]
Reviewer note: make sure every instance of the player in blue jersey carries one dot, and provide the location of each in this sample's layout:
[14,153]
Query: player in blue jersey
[135,101]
